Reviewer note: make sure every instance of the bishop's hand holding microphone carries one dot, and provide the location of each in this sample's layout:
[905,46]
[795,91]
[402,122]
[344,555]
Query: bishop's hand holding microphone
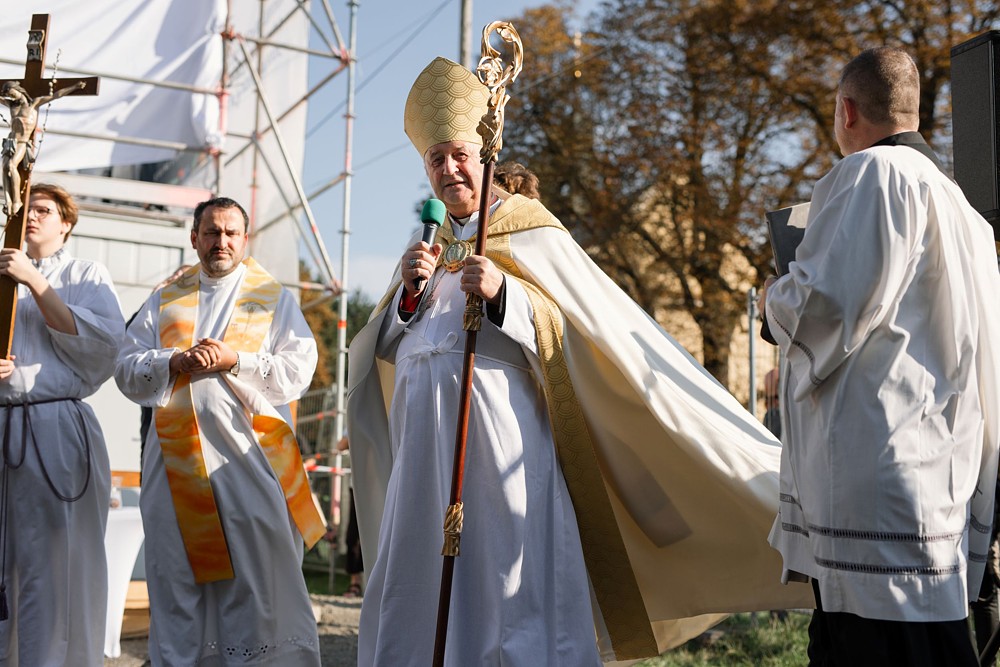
[479,275]
[420,259]
[432,216]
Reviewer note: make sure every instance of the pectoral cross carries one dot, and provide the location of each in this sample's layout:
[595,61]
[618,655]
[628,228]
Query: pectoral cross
[23,97]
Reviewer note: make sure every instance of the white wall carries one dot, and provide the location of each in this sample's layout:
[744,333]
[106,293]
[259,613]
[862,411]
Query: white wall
[139,254]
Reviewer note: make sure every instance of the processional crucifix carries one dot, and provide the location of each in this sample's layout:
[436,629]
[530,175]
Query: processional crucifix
[23,98]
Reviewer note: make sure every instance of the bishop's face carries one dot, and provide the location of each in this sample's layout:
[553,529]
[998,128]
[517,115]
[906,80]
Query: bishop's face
[456,175]
[221,240]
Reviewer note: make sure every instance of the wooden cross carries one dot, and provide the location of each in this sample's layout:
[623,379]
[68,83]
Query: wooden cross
[23,97]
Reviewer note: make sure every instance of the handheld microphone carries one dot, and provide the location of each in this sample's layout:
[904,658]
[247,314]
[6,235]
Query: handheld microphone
[432,215]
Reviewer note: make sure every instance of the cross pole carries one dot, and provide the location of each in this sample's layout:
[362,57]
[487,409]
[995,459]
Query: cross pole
[37,90]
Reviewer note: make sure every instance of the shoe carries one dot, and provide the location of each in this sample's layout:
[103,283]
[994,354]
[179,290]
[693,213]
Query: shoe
[353,591]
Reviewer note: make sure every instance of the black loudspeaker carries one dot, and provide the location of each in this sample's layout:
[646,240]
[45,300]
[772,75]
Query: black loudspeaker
[975,100]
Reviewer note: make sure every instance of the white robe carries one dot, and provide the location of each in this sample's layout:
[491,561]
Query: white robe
[889,324]
[56,572]
[263,615]
[522,596]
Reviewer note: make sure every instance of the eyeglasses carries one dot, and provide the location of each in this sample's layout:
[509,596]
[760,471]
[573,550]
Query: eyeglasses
[41,211]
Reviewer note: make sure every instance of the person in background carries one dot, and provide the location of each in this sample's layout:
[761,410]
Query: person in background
[772,404]
[355,564]
[219,354]
[891,399]
[985,609]
[56,478]
[515,178]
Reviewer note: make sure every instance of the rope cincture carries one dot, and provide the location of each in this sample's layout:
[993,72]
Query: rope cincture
[8,465]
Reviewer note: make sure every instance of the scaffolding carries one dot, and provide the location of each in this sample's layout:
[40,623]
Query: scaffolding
[244,55]
[250,50]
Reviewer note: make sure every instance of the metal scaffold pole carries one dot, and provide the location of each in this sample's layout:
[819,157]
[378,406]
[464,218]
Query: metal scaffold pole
[345,245]
[465,35]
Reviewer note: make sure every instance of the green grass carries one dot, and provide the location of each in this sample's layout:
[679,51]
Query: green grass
[316,575]
[744,640]
[318,583]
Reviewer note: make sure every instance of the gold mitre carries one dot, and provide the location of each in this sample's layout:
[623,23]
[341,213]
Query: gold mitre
[445,103]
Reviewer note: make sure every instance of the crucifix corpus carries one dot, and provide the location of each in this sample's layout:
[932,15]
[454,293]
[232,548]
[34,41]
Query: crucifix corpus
[23,98]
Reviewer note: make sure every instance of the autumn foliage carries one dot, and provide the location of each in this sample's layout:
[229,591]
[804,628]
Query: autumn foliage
[663,131]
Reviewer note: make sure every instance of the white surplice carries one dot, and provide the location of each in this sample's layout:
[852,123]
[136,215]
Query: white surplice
[889,324]
[56,571]
[263,615]
[522,594]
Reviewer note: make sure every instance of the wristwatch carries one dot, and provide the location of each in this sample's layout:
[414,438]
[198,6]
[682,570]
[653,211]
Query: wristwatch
[235,368]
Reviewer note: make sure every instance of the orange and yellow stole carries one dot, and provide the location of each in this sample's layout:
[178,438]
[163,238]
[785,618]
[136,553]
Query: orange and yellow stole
[180,440]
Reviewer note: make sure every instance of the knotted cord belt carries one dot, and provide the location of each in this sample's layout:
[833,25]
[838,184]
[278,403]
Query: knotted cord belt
[8,464]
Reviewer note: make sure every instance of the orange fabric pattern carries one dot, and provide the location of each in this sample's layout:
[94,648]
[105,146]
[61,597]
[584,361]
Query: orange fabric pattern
[282,451]
[177,427]
[194,502]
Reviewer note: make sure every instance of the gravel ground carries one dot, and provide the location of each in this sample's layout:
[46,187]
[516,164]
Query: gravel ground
[338,635]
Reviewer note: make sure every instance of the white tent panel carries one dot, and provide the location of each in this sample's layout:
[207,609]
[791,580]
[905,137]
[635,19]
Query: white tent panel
[161,40]
[262,182]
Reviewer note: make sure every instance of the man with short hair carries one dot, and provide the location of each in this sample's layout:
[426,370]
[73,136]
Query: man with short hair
[609,479]
[890,334]
[220,353]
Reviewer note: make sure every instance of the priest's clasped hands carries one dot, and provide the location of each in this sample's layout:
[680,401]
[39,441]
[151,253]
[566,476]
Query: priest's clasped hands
[208,356]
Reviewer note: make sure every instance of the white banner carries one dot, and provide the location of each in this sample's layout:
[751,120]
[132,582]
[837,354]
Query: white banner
[159,40]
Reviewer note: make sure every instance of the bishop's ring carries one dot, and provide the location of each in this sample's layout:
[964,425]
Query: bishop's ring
[413,262]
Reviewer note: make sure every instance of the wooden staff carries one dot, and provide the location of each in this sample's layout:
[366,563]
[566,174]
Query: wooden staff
[23,97]
[495,75]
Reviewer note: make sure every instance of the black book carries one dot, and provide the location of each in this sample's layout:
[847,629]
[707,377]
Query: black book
[786,226]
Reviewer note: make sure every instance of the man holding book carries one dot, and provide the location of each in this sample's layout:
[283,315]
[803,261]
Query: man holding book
[891,398]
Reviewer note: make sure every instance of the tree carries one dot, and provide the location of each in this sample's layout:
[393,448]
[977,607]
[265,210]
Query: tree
[322,314]
[656,158]
[662,135]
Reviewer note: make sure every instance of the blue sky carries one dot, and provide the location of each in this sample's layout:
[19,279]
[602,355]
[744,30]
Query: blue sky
[396,39]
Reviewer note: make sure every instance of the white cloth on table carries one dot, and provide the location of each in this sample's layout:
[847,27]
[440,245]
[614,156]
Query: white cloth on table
[122,542]
[56,573]
[889,327]
[263,615]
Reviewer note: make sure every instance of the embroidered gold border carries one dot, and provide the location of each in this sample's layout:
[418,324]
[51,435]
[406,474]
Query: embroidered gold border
[604,552]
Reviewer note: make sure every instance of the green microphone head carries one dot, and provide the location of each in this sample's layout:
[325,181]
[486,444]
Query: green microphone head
[433,211]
